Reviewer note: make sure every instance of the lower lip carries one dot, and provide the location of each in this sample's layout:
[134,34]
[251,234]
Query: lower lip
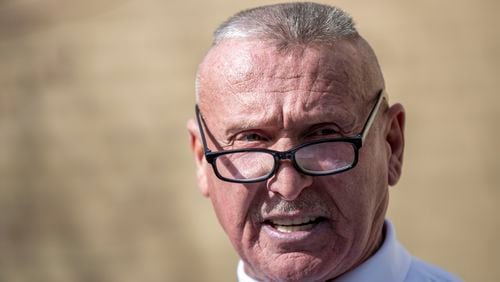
[318,234]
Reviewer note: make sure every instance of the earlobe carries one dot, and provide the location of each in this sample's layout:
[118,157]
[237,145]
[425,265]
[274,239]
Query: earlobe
[395,142]
[199,157]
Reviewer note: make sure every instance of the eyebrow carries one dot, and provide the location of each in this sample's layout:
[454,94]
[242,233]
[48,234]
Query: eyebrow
[344,119]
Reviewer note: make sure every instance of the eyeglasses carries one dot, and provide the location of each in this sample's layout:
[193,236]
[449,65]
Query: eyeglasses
[317,158]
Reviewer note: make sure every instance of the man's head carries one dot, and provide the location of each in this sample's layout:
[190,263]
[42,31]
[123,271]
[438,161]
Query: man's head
[278,77]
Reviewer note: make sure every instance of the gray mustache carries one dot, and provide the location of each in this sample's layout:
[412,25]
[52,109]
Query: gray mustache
[307,203]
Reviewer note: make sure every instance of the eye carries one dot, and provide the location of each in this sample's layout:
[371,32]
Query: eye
[324,132]
[251,137]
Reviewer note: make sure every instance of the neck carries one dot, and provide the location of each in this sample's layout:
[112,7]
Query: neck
[373,245]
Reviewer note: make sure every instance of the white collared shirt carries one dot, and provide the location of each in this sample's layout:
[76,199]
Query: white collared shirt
[391,263]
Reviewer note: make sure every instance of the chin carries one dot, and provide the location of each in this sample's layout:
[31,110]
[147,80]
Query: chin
[292,267]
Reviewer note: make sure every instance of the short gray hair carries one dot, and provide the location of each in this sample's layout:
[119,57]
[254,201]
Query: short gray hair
[288,24]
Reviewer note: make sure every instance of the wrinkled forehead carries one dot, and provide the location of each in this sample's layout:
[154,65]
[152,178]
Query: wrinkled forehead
[250,66]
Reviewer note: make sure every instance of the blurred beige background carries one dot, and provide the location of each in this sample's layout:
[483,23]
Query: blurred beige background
[96,178]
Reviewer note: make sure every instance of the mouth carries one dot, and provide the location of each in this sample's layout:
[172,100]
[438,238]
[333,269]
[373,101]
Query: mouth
[289,225]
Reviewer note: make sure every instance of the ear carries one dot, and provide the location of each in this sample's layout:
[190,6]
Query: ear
[394,137]
[199,156]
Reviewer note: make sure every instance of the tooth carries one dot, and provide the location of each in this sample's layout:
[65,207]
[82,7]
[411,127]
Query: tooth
[282,222]
[293,228]
[294,221]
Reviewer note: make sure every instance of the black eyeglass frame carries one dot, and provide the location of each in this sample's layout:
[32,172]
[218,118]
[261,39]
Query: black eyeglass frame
[356,142]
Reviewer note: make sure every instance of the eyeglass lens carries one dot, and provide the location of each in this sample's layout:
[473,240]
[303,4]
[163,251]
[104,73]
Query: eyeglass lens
[320,158]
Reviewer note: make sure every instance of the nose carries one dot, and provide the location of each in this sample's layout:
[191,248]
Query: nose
[288,183]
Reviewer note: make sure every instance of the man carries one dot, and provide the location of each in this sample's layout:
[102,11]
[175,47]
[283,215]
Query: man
[296,144]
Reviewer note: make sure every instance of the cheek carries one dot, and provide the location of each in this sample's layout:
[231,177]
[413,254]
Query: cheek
[357,192]
[230,202]
[369,183]
[347,193]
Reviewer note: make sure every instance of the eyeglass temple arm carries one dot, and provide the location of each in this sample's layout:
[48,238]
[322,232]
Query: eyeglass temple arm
[373,114]
[201,124]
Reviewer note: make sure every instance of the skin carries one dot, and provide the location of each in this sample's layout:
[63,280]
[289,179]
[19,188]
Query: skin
[254,95]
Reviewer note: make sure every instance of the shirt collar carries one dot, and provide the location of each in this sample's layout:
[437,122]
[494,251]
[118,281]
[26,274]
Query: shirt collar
[390,263]
[242,276]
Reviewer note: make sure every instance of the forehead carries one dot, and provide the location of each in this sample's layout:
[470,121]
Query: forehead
[251,76]
[240,63]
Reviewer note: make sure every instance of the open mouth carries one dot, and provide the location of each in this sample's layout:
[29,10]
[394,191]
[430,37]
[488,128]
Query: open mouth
[295,224]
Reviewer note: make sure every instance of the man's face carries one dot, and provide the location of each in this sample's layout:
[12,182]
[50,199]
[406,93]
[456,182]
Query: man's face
[253,96]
